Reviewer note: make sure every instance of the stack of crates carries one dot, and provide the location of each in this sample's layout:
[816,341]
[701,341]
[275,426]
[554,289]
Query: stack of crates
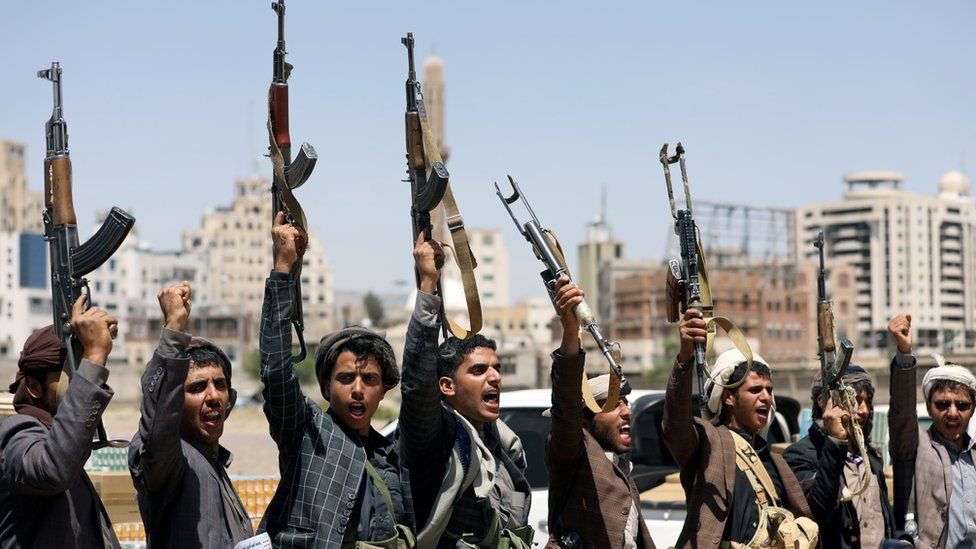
[108,459]
[255,494]
[131,534]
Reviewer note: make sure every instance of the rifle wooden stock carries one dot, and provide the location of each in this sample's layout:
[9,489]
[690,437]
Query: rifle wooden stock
[57,191]
[278,98]
[825,322]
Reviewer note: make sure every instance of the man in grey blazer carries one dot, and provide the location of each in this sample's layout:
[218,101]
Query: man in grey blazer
[46,498]
[177,463]
[340,478]
[934,471]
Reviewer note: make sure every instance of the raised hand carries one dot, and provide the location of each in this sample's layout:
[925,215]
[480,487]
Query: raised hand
[901,328]
[567,296]
[95,329]
[429,257]
[289,243]
[692,330]
[835,419]
[175,303]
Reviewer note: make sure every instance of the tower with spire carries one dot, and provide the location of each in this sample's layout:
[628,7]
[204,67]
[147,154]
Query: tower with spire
[598,248]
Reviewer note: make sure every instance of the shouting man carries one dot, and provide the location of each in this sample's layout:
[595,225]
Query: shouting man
[720,487]
[46,498]
[340,479]
[466,466]
[592,500]
[850,505]
[177,463]
[934,471]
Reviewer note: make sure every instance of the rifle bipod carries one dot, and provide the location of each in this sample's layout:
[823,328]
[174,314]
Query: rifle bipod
[687,281]
[547,249]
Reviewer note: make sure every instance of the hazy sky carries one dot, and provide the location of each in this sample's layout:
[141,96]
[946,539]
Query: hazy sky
[774,101]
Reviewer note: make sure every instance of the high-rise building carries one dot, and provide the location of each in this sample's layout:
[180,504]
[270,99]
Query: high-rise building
[598,248]
[489,250]
[20,207]
[234,246]
[910,253]
[25,294]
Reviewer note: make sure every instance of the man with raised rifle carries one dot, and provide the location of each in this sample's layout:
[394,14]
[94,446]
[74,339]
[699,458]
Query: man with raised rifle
[177,463]
[592,500]
[340,479]
[934,471]
[466,467]
[832,470]
[727,498]
[46,498]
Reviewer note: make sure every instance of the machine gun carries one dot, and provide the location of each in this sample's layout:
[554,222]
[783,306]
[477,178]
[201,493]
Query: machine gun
[429,186]
[687,283]
[547,249]
[288,175]
[71,260]
[834,361]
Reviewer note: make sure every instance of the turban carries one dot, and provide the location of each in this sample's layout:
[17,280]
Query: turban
[721,372]
[43,352]
[854,374]
[330,345]
[600,387]
[949,372]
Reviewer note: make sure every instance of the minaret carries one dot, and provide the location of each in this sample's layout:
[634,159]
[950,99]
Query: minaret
[433,89]
[599,248]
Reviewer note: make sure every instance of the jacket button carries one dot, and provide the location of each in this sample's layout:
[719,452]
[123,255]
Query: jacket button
[625,511]
[349,505]
[351,497]
[343,521]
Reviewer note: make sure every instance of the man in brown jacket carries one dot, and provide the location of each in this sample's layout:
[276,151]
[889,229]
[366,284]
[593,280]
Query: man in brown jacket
[934,472]
[722,505]
[592,500]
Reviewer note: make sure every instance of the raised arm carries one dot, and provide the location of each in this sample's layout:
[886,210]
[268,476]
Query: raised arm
[565,444]
[902,415]
[820,472]
[284,403]
[156,457]
[421,421]
[43,462]
[678,425]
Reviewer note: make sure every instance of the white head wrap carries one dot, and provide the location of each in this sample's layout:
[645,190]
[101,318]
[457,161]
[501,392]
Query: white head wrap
[600,387]
[947,371]
[721,371]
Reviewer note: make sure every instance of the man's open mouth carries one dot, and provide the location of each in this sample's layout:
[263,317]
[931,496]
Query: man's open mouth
[491,398]
[625,432]
[763,412]
[357,410]
[212,418]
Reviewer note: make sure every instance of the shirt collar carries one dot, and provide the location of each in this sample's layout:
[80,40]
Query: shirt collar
[223,456]
[967,441]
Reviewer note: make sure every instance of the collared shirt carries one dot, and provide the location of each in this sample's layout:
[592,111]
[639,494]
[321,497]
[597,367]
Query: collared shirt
[631,530]
[867,504]
[744,514]
[962,502]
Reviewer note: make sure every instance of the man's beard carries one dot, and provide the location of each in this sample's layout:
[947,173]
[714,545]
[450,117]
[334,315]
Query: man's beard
[606,436]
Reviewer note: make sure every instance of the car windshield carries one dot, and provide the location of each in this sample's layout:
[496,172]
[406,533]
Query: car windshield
[533,429]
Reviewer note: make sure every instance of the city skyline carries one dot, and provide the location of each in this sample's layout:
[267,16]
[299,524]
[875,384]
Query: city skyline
[774,105]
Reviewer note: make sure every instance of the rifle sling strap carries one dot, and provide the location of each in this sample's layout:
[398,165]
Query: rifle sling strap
[461,248]
[713,322]
[293,210]
[613,395]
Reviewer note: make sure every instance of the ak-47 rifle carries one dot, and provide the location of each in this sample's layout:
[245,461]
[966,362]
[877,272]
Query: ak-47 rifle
[430,186]
[288,175]
[833,365]
[687,282]
[547,249]
[70,260]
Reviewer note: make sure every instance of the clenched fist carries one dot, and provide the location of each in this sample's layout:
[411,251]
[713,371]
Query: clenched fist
[901,328]
[175,303]
[95,329]
[428,256]
[693,331]
[289,243]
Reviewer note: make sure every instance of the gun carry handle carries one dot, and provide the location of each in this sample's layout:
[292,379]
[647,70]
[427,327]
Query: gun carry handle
[97,249]
[300,169]
[279,118]
[57,191]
